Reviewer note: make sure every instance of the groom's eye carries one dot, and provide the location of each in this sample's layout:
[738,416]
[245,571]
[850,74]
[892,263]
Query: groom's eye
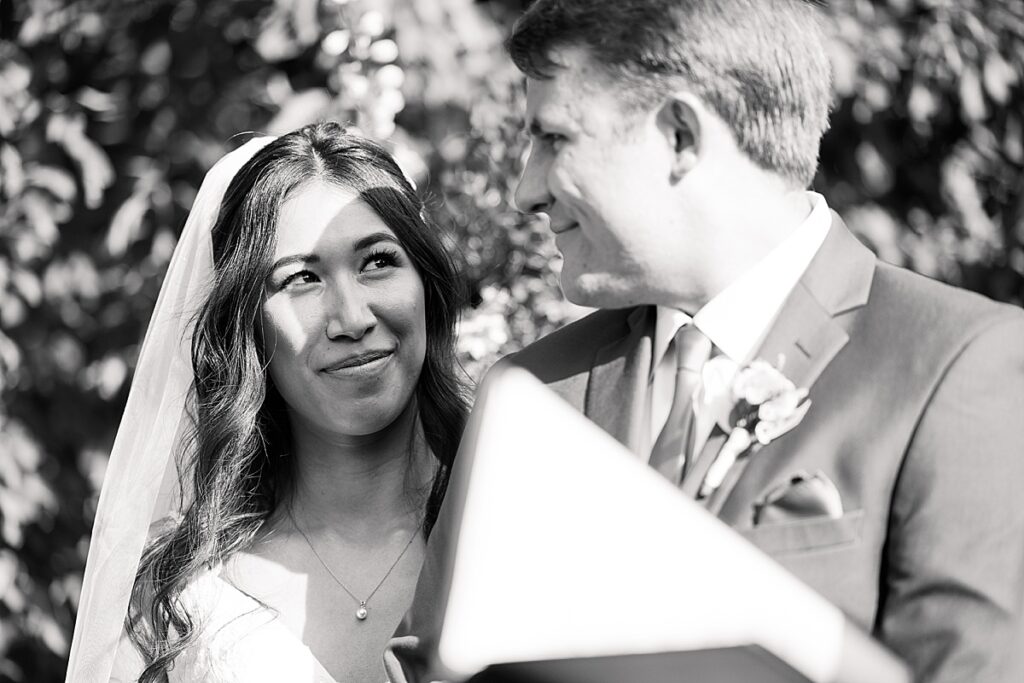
[552,139]
[545,136]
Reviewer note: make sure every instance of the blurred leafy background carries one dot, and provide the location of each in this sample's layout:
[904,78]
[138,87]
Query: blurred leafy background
[112,110]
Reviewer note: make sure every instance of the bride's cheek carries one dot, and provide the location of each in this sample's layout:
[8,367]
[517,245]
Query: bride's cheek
[291,327]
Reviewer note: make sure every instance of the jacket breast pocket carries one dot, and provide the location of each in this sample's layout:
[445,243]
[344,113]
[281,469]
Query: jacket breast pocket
[779,539]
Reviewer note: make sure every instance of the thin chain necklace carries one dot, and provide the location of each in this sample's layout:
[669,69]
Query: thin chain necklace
[362,611]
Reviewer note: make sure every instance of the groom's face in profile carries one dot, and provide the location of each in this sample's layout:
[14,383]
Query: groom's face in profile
[603,176]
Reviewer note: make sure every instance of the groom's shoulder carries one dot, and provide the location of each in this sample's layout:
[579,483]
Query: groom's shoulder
[570,350]
[919,304]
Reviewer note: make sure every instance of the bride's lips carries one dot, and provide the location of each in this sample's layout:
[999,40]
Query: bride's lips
[359,363]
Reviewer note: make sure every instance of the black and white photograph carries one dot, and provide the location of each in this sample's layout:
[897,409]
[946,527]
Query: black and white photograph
[511,341]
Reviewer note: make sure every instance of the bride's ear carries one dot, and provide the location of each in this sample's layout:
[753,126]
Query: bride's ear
[679,121]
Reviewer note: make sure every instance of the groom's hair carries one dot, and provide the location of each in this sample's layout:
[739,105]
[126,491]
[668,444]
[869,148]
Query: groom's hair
[761,65]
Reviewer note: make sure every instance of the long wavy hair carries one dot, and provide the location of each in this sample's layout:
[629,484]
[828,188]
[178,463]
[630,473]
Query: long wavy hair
[231,470]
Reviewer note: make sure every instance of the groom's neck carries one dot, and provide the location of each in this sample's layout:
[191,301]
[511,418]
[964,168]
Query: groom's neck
[747,221]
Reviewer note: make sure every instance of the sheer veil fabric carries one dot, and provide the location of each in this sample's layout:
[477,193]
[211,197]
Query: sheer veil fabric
[141,482]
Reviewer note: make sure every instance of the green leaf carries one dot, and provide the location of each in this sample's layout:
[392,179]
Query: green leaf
[922,104]
[95,169]
[13,311]
[126,226]
[48,630]
[10,360]
[972,100]
[998,77]
[57,181]
[27,284]
[156,59]
[12,174]
[43,215]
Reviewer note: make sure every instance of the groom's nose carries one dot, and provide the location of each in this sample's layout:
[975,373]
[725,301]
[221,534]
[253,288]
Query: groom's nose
[532,195]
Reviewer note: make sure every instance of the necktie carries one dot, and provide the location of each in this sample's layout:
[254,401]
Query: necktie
[669,455]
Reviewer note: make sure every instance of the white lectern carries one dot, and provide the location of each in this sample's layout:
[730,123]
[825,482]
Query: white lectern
[568,560]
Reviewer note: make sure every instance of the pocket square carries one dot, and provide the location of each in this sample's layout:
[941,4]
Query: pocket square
[802,496]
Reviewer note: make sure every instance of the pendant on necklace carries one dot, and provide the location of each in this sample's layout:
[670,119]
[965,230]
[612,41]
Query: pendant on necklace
[362,612]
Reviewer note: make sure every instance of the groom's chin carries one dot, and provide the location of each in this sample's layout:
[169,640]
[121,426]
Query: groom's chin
[594,291]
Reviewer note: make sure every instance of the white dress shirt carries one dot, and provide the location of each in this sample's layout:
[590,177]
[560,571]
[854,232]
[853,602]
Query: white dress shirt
[738,319]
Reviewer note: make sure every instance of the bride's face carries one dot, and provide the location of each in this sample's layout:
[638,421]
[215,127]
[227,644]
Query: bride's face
[343,316]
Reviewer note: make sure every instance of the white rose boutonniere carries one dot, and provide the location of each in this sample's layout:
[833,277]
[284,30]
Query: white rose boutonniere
[753,404]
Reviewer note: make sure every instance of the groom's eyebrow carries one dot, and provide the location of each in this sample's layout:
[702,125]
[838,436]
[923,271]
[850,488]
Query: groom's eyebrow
[536,130]
[543,123]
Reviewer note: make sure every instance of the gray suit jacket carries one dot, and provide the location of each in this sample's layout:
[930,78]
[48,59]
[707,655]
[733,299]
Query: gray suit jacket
[917,417]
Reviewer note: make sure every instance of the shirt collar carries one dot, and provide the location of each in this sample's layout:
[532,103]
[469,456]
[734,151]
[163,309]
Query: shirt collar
[738,318]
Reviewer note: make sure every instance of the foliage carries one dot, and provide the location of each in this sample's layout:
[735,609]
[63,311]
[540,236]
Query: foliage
[112,110]
[925,158]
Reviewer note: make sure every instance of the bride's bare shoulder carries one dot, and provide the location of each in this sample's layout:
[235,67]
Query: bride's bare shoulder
[269,568]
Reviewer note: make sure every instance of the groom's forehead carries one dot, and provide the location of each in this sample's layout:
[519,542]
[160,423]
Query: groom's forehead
[571,68]
[548,105]
[566,96]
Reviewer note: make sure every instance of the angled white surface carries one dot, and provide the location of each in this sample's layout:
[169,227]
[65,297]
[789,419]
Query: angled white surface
[569,547]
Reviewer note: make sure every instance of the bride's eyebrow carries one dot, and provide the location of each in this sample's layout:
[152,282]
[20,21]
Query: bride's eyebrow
[295,258]
[374,238]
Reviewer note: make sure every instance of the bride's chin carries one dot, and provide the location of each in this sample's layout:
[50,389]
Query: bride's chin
[365,424]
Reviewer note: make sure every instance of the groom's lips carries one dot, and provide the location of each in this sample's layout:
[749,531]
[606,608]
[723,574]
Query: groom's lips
[558,230]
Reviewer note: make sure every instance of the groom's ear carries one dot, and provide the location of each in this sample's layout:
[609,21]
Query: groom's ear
[679,121]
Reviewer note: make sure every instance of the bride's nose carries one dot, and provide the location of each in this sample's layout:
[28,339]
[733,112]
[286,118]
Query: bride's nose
[349,314]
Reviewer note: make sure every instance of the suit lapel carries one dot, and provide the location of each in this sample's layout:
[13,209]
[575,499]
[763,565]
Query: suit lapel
[807,335]
[804,338]
[616,392]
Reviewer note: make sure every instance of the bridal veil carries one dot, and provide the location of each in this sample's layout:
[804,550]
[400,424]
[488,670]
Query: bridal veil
[141,482]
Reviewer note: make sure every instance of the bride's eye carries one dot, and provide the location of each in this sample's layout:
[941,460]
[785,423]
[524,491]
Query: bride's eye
[302,277]
[380,259]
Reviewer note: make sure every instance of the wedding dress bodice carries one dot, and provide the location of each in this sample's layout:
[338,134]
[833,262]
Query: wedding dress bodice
[241,640]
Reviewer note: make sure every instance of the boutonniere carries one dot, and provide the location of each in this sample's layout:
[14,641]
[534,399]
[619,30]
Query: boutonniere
[753,404]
